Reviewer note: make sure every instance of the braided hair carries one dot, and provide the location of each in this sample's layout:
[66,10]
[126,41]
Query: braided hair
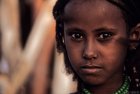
[131,13]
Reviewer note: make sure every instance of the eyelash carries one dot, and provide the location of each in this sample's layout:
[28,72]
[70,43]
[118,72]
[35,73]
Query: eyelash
[104,36]
[101,36]
[76,36]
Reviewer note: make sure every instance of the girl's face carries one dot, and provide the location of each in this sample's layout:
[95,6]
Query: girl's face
[94,36]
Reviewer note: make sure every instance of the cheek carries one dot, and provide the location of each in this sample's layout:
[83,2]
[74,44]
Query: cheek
[74,52]
[115,57]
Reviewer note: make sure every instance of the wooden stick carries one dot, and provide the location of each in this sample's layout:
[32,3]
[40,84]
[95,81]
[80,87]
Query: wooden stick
[24,59]
[11,47]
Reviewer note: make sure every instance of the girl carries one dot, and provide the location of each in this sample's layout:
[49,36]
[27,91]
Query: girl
[100,41]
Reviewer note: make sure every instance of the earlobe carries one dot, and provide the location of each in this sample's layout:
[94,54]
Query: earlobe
[134,37]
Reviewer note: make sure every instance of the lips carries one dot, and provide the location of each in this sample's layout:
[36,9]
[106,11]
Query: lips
[91,69]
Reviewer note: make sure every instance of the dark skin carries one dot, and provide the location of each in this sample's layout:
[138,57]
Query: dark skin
[93,35]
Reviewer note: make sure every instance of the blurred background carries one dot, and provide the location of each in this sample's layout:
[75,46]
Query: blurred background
[29,62]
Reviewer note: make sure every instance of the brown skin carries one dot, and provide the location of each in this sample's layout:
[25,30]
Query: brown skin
[93,35]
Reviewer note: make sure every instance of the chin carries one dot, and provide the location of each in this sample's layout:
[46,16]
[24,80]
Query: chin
[92,81]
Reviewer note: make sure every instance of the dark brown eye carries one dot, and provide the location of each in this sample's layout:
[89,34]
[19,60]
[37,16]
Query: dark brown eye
[104,36]
[77,36]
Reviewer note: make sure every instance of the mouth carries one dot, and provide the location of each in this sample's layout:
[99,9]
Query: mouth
[91,69]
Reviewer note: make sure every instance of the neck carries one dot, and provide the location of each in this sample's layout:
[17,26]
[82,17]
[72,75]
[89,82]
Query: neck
[106,88]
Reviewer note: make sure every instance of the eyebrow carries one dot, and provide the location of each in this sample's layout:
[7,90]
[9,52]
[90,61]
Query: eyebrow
[104,29]
[96,30]
[75,29]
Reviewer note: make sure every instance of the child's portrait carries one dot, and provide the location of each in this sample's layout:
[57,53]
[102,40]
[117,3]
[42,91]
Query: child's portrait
[69,46]
[100,41]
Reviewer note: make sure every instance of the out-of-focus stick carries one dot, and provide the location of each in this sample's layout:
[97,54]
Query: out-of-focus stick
[34,44]
[11,46]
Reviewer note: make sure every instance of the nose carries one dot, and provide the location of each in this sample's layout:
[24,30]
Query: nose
[90,51]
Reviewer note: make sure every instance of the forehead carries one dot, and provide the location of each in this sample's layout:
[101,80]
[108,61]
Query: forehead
[85,8]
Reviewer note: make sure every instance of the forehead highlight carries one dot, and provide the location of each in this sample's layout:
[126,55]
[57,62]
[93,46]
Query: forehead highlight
[80,8]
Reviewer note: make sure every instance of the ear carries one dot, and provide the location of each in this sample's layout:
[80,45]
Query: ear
[134,37]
